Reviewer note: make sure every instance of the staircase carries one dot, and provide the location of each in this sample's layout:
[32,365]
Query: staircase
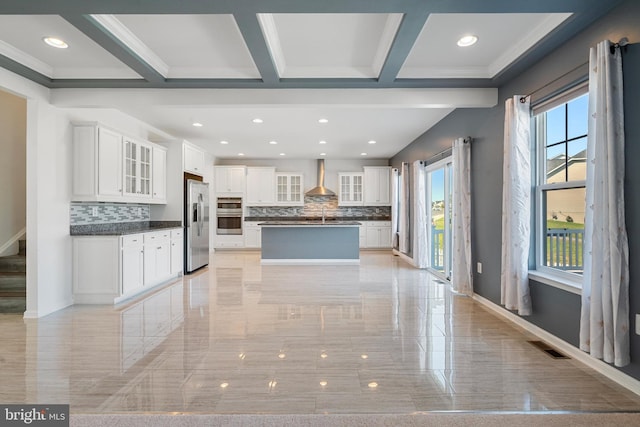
[13,281]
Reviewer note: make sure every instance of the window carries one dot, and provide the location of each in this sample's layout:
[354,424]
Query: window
[561,146]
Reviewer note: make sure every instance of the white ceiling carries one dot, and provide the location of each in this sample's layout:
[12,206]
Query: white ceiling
[374,69]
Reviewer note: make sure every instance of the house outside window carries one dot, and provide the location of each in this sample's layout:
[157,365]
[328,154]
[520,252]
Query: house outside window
[561,148]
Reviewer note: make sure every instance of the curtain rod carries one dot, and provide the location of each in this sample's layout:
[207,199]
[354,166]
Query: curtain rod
[622,43]
[466,140]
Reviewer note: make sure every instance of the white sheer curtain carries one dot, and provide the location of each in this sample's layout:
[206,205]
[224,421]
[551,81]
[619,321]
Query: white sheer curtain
[516,207]
[420,237]
[403,224]
[604,323]
[462,277]
[395,179]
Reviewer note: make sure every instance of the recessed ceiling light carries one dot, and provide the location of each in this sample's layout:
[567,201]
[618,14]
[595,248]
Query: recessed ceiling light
[323,154]
[373,384]
[323,121]
[322,142]
[273,142]
[282,154]
[240,154]
[55,42]
[372,142]
[467,40]
[257,120]
[323,383]
[363,154]
[224,142]
[197,124]
[224,385]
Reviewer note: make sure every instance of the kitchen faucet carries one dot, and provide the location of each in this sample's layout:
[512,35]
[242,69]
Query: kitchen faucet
[323,214]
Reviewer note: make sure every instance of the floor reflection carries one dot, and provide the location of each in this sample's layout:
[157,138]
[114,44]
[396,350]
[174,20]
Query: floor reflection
[238,337]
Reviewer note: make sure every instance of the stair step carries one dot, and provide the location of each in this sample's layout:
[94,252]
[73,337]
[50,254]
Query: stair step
[13,283]
[13,304]
[16,263]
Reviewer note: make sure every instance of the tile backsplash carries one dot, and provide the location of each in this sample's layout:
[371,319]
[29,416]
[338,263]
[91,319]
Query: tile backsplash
[82,213]
[313,208]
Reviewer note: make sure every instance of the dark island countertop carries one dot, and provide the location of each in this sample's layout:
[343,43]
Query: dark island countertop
[314,218]
[310,223]
[120,229]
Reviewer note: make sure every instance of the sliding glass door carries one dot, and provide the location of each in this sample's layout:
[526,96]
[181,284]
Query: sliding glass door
[440,196]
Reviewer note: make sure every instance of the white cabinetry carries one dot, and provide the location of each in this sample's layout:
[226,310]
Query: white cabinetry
[137,169]
[378,234]
[110,269]
[110,167]
[97,164]
[159,175]
[177,252]
[252,235]
[260,186]
[132,263]
[289,189]
[157,257]
[230,179]
[377,186]
[193,159]
[350,191]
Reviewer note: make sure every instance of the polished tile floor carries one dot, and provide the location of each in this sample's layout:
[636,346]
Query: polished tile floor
[238,337]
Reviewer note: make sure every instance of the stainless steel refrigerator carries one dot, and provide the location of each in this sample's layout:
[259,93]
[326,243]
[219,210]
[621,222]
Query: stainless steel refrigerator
[197,219]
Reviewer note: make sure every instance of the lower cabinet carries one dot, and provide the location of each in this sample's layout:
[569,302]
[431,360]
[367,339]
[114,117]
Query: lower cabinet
[110,269]
[377,234]
[252,235]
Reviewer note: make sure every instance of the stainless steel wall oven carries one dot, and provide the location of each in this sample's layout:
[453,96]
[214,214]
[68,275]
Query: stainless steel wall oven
[229,215]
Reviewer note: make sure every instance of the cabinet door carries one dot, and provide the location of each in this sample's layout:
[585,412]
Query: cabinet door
[177,254]
[229,179]
[260,186]
[193,160]
[159,173]
[132,268]
[295,189]
[357,188]
[236,180]
[163,260]
[385,237]
[282,188]
[345,195]
[377,186]
[137,169]
[252,237]
[373,237]
[109,163]
[150,263]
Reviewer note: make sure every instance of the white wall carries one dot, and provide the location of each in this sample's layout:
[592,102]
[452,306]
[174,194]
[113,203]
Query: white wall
[13,176]
[309,168]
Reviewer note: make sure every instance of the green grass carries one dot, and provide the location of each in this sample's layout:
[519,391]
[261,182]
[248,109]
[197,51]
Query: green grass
[552,223]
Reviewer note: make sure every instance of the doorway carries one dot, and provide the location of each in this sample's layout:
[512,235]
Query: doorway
[440,215]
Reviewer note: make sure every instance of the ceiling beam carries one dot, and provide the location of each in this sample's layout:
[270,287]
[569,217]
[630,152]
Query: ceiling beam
[406,36]
[92,29]
[252,33]
[24,71]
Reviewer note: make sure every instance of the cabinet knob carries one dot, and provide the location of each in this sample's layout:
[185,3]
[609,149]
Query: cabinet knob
[159,247]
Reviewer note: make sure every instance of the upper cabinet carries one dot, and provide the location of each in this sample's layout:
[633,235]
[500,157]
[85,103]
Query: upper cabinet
[377,186]
[350,189]
[289,189]
[159,173]
[230,180]
[193,159]
[110,167]
[137,168]
[260,186]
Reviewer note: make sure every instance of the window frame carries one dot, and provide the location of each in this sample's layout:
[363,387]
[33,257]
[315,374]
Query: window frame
[543,273]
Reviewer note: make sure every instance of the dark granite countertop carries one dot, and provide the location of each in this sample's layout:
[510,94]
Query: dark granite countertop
[314,218]
[119,229]
[317,222]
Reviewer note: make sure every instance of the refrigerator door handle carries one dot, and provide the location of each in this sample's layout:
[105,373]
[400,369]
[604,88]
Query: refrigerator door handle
[194,214]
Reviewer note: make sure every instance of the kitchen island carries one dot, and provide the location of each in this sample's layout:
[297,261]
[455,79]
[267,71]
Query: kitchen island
[310,242]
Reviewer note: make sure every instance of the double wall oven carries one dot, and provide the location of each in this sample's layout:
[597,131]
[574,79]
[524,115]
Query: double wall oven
[229,215]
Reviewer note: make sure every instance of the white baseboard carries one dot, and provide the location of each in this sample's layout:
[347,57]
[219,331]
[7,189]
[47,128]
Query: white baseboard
[406,258]
[603,368]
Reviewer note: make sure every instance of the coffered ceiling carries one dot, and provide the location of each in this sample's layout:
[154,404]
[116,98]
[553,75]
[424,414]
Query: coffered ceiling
[291,49]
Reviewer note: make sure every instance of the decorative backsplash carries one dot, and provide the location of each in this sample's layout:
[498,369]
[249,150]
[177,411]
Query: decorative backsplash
[313,208]
[107,213]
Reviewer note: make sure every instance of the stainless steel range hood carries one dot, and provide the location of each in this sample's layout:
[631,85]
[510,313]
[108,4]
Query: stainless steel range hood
[320,190]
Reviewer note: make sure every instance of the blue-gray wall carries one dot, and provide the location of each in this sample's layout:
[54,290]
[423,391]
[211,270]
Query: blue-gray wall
[554,310]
